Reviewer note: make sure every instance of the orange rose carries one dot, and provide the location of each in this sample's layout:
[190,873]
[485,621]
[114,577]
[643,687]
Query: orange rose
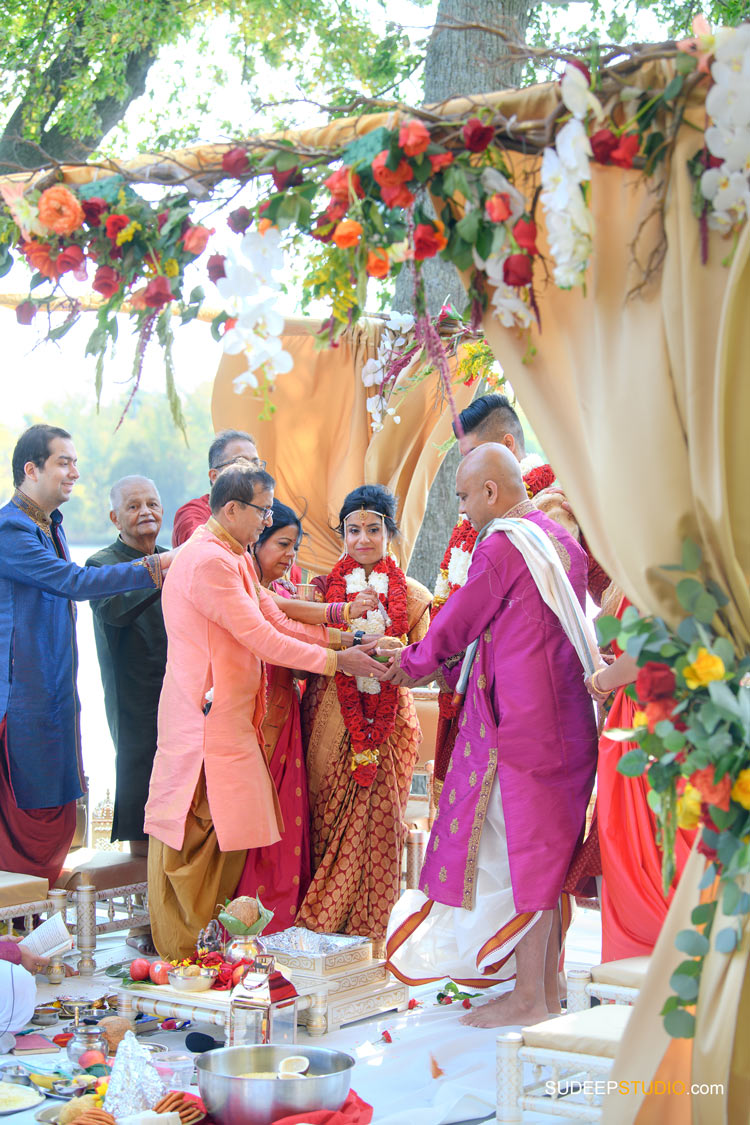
[59,210]
[413,138]
[195,238]
[712,792]
[264,225]
[347,233]
[378,264]
[38,256]
[391,177]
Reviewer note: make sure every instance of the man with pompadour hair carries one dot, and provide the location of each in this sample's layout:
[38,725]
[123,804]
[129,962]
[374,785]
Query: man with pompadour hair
[41,771]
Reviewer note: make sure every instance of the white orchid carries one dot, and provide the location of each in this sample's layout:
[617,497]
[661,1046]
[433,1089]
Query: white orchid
[239,281]
[576,94]
[400,322]
[372,373]
[574,149]
[265,253]
[509,308]
[557,184]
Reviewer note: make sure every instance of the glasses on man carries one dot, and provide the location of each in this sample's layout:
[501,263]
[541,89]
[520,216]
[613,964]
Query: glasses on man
[267,513]
[254,461]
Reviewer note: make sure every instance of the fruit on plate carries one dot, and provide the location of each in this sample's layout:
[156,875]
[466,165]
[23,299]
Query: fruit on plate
[43,1080]
[139,969]
[159,972]
[91,1058]
[114,1028]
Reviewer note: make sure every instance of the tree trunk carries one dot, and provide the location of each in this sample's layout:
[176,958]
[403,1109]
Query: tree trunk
[457,62]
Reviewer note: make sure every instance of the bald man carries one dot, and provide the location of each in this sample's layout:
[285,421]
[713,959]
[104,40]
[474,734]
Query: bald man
[131,643]
[514,801]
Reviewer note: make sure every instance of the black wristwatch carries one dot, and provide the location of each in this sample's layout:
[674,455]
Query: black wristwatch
[359,634]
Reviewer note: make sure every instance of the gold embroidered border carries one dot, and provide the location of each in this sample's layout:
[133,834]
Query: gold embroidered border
[153,566]
[480,812]
[33,511]
[561,551]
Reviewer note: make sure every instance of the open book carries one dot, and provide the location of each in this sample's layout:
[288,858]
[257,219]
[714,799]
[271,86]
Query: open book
[49,939]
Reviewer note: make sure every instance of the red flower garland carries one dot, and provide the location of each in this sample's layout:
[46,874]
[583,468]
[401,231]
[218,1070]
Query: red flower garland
[369,719]
[537,479]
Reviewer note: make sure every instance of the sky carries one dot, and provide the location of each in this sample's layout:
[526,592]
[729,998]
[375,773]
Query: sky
[35,373]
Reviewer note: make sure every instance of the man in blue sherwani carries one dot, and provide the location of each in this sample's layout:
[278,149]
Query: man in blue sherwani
[41,773]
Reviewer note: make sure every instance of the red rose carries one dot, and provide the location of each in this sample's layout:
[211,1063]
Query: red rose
[215,267]
[524,233]
[324,228]
[71,258]
[428,241]
[390,177]
[440,160]
[25,312]
[517,270]
[235,162]
[413,138]
[283,180]
[398,196]
[239,220]
[626,149]
[343,182]
[161,219]
[711,792]
[498,207]
[603,144]
[655,680]
[195,238]
[116,223]
[106,281]
[93,209]
[336,209]
[476,135]
[158,293]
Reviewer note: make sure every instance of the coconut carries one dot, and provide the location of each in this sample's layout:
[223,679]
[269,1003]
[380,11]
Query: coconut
[114,1029]
[244,909]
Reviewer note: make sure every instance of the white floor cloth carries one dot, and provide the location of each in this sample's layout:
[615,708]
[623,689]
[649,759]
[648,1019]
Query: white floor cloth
[447,942]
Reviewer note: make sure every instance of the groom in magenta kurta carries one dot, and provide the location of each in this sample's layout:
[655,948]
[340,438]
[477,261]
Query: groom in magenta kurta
[514,801]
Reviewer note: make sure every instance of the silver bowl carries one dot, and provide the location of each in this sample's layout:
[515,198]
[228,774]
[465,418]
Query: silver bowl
[198,982]
[232,1100]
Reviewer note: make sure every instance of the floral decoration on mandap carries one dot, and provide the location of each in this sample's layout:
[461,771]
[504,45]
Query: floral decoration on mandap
[692,731]
[434,184]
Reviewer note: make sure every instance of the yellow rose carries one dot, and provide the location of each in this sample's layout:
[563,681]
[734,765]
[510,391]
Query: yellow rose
[704,670]
[640,719]
[741,789]
[689,808]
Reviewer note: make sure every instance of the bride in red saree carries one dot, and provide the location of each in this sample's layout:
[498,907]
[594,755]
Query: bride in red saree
[362,737]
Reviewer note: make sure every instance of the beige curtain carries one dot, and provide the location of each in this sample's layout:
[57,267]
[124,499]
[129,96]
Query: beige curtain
[318,442]
[642,406]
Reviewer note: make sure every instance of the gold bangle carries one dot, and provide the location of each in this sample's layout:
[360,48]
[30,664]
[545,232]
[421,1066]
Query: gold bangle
[331,663]
[598,690]
[334,638]
[348,613]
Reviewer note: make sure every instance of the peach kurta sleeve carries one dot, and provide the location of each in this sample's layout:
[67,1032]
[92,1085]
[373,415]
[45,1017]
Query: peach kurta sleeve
[313,634]
[218,593]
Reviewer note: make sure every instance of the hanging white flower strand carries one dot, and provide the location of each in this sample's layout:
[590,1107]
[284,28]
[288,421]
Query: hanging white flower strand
[727,187]
[250,290]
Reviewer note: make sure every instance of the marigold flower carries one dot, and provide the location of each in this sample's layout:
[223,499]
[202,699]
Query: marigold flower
[689,808]
[127,233]
[640,719]
[413,138]
[347,233]
[704,670]
[171,268]
[429,240]
[60,210]
[378,263]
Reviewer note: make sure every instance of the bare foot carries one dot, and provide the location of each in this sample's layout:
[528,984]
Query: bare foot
[506,1010]
[143,943]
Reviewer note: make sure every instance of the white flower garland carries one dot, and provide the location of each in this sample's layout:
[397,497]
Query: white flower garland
[727,187]
[356,582]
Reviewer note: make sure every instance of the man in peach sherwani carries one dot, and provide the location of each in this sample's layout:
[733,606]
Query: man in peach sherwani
[211,795]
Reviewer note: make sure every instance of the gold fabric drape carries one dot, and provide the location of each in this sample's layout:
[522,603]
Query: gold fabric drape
[318,443]
[641,405]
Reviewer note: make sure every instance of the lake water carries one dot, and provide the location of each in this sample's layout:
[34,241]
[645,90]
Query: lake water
[98,751]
